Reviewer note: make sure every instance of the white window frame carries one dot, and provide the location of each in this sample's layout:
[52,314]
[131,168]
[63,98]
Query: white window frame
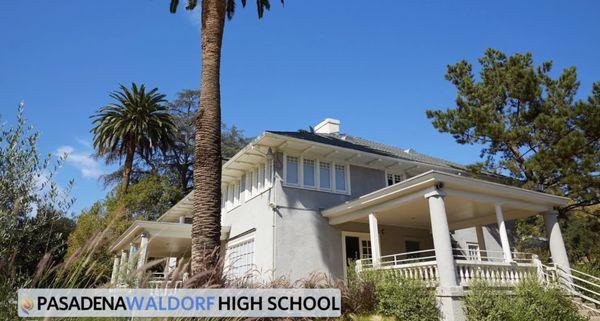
[315,176]
[317,186]
[473,248]
[402,175]
[237,241]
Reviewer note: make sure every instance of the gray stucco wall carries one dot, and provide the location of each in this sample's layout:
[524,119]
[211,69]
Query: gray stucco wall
[294,239]
[256,214]
[490,235]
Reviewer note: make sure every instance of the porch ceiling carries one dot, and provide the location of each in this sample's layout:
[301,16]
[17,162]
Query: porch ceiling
[468,202]
[165,238]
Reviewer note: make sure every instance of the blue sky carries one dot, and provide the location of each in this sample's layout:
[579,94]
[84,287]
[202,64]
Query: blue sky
[376,65]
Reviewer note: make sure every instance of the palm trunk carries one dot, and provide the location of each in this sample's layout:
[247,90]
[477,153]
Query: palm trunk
[206,227]
[128,166]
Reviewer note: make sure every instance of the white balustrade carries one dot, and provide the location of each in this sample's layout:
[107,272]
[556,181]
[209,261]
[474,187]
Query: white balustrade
[488,267]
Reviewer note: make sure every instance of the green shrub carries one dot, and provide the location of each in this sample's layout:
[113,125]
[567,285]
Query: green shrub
[485,303]
[406,300]
[529,301]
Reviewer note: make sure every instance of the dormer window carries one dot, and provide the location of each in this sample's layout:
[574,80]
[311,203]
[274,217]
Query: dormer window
[311,173]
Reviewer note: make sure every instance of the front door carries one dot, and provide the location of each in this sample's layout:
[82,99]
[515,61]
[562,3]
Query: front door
[356,246]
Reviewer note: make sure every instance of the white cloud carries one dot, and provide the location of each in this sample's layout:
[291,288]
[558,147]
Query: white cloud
[84,161]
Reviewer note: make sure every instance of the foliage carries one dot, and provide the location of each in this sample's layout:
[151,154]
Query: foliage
[406,299]
[486,303]
[261,6]
[359,295]
[147,199]
[529,301]
[580,230]
[177,162]
[531,126]
[151,197]
[33,207]
[137,122]
[232,140]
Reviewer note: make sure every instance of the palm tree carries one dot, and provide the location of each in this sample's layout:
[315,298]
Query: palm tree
[206,226]
[136,122]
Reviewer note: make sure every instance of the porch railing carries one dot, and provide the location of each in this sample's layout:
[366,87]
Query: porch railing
[166,280]
[488,266]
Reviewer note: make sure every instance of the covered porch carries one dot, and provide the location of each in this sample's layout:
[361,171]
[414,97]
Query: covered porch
[440,203]
[153,252]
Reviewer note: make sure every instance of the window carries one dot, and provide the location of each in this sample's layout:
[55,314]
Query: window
[243,188]
[229,196]
[340,177]
[236,194]
[240,258]
[254,182]
[394,178]
[268,174]
[366,250]
[261,176]
[309,173]
[292,170]
[473,253]
[316,174]
[324,175]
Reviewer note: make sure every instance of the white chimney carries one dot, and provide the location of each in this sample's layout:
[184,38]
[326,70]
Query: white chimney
[328,126]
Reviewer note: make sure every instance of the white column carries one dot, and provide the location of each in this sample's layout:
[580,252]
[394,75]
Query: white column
[503,234]
[131,259]
[481,242]
[123,267]
[182,219]
[449,293]
[441,239]
[556,242]
[374,234]
[115,271]
[143,251]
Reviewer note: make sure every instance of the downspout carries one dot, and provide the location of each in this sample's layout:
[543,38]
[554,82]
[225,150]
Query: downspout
[273,206]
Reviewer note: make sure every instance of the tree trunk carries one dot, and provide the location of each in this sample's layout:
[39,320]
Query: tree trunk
[206,227]
[128,166]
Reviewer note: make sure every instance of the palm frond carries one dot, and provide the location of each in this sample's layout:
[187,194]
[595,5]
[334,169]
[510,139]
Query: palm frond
[135,116]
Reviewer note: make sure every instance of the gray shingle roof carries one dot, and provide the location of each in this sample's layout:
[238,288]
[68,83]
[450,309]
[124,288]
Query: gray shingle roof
[364,145]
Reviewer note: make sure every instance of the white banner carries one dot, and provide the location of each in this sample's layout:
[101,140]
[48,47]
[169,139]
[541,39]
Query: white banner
[179,303]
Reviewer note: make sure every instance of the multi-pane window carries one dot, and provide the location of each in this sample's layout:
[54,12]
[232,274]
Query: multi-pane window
[236,194]
[394,178]
[473,253]
[316,174]
[261,177]
[254,182]
[242,187]
[240,259]
[340,177]
[291,170]
[309,173]
[267,174]
[325,175]
[251,183]
[366,250]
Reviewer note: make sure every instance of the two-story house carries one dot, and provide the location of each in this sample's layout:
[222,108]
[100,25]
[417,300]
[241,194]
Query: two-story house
[301,202]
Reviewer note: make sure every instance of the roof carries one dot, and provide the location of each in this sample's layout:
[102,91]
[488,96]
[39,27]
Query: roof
[364,145]
[465,189]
